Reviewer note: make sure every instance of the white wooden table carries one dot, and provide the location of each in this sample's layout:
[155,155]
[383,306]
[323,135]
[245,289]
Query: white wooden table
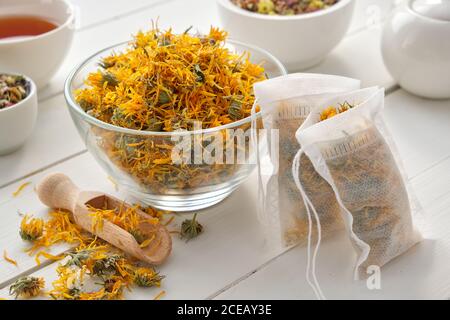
[231,259]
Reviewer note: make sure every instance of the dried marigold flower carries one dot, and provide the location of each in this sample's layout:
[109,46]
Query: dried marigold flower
[27,287]
[78,258]
[166,82]
[31,229]
[146,277]
[107,266]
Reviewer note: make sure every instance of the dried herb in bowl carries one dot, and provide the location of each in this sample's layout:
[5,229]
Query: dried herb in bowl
[284,7]
[13,89]
[166,82]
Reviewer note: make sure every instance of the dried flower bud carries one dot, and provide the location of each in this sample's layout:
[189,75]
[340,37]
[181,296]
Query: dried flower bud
[27,287]
[154,125]
[191,229]
[199,74]
[106,266]
[110,79]
[235,110]
[144,277]
[31,230]
[164,98]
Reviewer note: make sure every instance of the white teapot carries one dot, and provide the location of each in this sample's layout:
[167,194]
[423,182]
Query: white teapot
[416,47]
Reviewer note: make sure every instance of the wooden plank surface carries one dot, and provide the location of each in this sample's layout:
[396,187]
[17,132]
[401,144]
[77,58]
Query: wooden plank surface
[420,127]
[54,138]
[91,13]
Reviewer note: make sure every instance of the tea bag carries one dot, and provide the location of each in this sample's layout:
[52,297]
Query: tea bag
[351,152]
[285,103]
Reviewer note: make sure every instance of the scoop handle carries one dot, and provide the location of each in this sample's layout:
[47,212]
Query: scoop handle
[58,191]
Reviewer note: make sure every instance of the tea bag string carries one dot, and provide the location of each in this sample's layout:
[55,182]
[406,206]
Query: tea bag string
[296,171]
[255,144]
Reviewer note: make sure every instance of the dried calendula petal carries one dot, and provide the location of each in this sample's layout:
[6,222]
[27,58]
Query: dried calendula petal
[8,259]
[126,218]
[159,295]
[21,188]
[144,244]
[48,256]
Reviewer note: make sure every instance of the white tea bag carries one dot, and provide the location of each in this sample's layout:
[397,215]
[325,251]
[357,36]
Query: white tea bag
[285,103]
[350,151]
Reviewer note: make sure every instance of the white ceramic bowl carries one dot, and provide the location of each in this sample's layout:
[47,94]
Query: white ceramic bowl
[40,56]
[298,41]
[416,47]
[17,122]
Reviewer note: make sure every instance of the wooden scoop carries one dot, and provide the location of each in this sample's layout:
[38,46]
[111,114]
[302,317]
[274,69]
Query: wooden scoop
[59,192]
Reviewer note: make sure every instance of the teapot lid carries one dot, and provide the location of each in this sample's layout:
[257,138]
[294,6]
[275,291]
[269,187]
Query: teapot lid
[435,9]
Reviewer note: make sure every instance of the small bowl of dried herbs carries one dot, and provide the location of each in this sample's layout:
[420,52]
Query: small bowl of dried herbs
[18,111]
[299,32]
[168,116]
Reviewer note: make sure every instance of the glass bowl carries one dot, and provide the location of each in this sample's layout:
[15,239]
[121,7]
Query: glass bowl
[159,168]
